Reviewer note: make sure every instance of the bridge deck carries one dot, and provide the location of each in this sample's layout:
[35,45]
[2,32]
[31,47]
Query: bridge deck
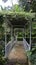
[18,54]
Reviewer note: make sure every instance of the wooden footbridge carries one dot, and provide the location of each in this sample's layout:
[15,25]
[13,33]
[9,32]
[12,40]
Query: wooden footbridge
[16,50]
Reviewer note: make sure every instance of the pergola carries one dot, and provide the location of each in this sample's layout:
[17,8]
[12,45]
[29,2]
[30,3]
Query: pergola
[18,20]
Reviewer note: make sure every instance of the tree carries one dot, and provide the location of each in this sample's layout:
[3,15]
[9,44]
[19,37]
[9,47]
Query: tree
[3,61]
[33,56]
[4,0]
[1,28]
[34,5]
[24,4]
[16,8]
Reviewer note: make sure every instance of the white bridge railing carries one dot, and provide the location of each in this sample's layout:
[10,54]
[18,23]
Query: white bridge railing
[26,45]
[9,47]
[11,44]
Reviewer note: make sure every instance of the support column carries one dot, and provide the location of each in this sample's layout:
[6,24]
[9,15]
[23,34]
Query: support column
[5,41]
[11,33]
[30,33]
[25,33]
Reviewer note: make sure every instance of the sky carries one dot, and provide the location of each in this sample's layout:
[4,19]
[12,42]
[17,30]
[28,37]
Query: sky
[8,3]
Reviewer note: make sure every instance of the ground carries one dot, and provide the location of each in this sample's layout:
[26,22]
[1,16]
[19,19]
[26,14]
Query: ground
[18,56]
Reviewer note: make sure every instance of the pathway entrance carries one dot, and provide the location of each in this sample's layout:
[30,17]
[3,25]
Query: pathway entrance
[16,51]
[18,56]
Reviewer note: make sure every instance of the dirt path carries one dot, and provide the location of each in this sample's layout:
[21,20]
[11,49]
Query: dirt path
[18,55]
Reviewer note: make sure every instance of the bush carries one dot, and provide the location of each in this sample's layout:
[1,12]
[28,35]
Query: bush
[3,61]
[32,56]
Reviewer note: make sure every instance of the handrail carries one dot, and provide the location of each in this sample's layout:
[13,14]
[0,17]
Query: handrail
[9,42]
[26,45]
[9,46]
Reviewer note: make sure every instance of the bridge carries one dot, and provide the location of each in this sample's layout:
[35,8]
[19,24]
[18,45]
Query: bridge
[15,50]
[13,43]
